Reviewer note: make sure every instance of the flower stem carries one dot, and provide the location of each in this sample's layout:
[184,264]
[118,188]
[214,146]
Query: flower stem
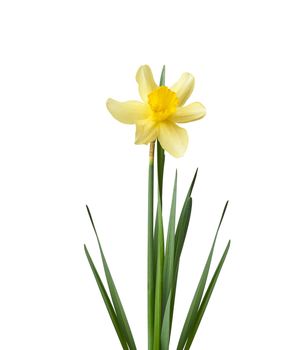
[150,248]
[155,244]
[158,278]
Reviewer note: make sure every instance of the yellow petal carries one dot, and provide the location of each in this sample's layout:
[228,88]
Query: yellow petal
[146,131]
[145,81]
[189,113]
[184,87]
[172,138]
[128,112]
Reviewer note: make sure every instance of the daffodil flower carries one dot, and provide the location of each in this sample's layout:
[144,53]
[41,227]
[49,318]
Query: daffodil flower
[162,108]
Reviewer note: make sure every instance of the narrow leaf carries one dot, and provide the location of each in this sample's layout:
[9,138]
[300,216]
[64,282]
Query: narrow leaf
[180,237]
[160,177]
[162,76]
[107,301]
[160,150]
[114,294]
[165,332]
[184,226]
[181,230]
[192,313]
[206,299]
[180,233]
[169,256]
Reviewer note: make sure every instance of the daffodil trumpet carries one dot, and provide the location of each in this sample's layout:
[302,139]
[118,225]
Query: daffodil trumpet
[156,119]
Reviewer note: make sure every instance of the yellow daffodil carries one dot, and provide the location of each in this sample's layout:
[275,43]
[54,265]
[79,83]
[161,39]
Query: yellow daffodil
[162,108]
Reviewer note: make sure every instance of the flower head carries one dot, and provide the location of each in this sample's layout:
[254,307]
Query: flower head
[162,108]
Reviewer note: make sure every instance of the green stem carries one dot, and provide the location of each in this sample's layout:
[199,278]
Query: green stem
[155,247]
[160,168]
[159,279]
[150,249]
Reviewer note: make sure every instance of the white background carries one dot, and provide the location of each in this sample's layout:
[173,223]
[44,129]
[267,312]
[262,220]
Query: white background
[60,149]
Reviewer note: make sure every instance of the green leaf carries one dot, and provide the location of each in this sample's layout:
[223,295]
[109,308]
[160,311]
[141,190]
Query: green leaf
[162,76]
[160,150]
[169,256]
[159,279]
[107,301]
[192,313]
[180,236]
[165,332]
[160,153]
[206,299]
[114,295]
[181,230]
[182,226]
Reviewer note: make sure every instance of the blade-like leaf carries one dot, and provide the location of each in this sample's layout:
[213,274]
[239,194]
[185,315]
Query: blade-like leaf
[159,279]
[165,330]
[107,301]
[169,256]
[114,294]
[180,236]
[192,313]
[160,150]
[160,176]
[206,299]
[184,227]
[181,229]
[162,76]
